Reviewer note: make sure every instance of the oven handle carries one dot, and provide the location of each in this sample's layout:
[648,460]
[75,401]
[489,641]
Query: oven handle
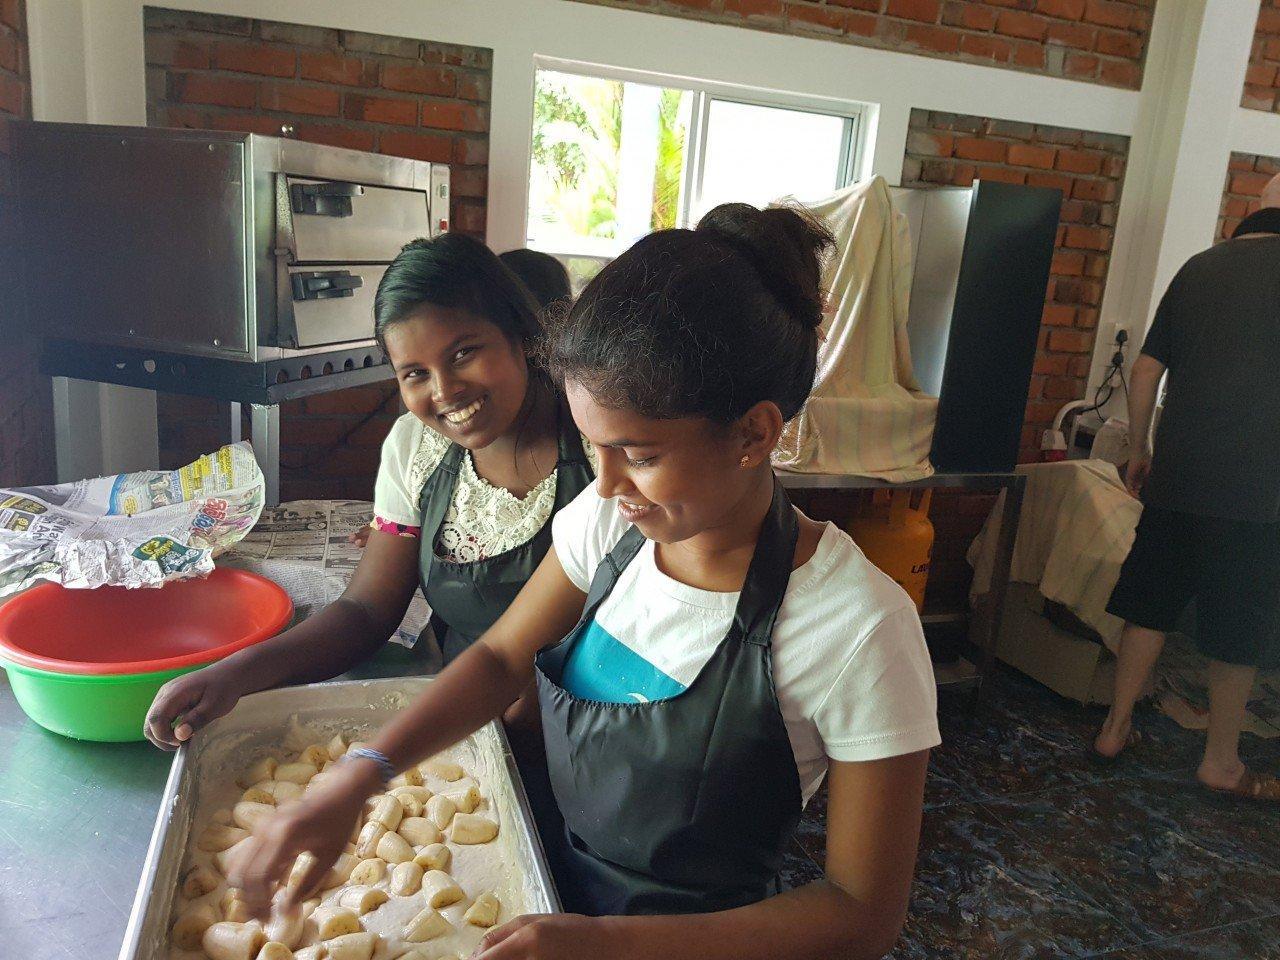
[332,199]
[324,284]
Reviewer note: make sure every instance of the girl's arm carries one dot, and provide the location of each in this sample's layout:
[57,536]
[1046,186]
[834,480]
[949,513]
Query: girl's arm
[855,913]
[343,634]
[470,692]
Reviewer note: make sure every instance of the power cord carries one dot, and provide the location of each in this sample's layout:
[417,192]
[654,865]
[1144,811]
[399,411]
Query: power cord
[1107,386]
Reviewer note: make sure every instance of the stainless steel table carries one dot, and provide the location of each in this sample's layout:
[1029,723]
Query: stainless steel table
[75,821]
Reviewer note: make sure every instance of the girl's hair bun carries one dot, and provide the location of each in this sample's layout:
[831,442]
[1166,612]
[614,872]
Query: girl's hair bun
[785,245]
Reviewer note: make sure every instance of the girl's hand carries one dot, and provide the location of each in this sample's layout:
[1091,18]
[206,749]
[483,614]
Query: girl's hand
[187,703]
[550,936]
[318,824]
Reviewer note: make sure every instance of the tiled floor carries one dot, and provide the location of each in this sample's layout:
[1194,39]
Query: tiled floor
[1032,850]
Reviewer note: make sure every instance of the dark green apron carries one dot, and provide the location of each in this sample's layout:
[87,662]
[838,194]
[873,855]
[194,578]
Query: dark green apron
[683,805]
[466,598]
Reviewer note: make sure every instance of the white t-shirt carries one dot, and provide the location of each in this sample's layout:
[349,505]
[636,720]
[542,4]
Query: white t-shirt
[850,665]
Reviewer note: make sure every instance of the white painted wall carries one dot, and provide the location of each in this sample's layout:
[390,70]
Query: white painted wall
[1184,122]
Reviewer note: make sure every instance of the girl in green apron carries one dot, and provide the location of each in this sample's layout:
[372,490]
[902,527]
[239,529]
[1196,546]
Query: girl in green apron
[704,653]
[469,480]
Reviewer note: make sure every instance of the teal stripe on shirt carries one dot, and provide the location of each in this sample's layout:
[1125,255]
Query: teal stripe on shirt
[601,667]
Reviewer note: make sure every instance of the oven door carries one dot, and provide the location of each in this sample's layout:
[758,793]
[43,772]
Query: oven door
[322,304]
[334,221]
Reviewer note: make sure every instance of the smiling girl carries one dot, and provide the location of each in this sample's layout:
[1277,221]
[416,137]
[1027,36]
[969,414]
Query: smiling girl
[704,653]
[470,479]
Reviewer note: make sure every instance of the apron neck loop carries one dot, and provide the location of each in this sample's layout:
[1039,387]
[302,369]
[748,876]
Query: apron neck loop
[770,569]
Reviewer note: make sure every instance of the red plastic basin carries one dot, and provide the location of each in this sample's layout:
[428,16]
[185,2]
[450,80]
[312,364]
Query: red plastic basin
[113,630]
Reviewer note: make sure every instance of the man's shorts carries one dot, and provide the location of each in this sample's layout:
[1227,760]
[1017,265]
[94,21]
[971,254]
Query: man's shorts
[1230,568]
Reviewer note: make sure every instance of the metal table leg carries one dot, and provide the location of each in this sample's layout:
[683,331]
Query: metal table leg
[1005,541]
[265,423]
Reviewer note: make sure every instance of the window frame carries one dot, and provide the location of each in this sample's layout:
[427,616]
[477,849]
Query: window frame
[855,151]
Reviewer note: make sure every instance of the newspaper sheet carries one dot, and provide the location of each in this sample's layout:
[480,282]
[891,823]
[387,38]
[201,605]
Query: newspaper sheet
[304,546]
[132,529]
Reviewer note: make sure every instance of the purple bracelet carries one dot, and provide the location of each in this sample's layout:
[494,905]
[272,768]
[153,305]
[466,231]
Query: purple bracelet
[385,768]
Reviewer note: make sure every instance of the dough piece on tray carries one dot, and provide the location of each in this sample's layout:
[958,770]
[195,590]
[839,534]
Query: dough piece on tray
[441,889]
[427,925]
[472,828]
[484,911]
[233,941]
[419,831]
[435,857]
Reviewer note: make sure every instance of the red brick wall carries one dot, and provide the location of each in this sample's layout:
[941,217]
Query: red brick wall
[391,95]
[1089,169]
[1098,41]
[26,401]
[1247,174]
[1262,82]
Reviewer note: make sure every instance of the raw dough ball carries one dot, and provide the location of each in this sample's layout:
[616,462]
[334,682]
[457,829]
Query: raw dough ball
[440,810]
[441,889]
[484,912]
[473,828]
[406,878]
[435,857]
[233,941]
[419,831]
[191,925]
[427,925]
[362,899]
[369,871]
[393,848]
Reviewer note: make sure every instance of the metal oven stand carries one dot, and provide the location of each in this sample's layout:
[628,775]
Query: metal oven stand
[263,385]
[1013,484]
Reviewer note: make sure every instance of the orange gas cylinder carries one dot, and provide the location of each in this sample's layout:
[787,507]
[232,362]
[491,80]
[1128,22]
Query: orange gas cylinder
[897,537]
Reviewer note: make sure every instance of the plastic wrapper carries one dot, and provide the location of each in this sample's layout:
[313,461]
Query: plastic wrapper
[130,530]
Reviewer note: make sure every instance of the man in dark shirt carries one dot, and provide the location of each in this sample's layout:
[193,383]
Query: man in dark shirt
[1210,528]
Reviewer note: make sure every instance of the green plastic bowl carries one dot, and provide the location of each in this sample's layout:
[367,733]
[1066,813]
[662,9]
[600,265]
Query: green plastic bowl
[87,663]
[110,708]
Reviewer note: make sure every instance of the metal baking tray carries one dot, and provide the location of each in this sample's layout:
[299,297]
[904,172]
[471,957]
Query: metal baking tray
[261,723]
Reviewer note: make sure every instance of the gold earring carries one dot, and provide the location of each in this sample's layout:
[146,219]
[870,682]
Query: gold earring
[744,462]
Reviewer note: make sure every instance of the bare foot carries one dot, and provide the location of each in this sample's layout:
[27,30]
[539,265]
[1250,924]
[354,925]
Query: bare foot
[1220,776]
[1114,737]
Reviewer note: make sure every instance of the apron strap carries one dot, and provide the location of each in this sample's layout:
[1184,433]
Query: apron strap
[615,561]
[770,570]
[437,492]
